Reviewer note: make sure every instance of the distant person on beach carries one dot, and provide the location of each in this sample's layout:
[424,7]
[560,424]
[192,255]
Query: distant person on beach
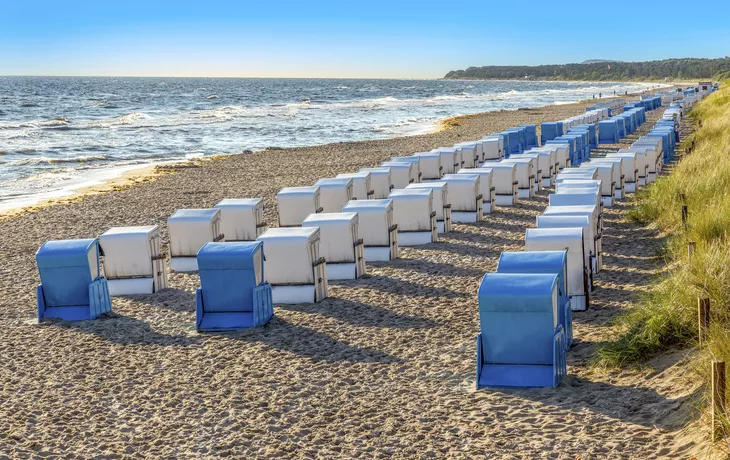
[599,95]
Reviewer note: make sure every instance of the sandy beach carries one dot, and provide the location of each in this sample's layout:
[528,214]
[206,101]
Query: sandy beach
[382,368]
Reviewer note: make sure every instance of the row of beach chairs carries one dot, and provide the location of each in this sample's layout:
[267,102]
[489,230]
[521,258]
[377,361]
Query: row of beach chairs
[526,307]
[330,230]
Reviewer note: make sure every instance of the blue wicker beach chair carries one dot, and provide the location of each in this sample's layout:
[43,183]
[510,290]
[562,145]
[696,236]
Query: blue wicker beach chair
[608,132]
[549,262]
[72,287]
[549,131]
[522,343]
[233,292]
[530,136]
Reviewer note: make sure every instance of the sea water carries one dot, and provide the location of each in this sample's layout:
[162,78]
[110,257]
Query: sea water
[58,134]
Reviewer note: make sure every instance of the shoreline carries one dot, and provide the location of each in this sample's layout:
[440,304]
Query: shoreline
[129,176]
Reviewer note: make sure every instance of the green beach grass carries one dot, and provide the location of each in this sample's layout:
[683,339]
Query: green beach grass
[666,317]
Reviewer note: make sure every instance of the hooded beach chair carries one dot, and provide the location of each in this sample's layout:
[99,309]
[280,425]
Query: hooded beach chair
[521,341]
[133,260]
[242,219]
[549,131]
[608,132]
[547,262]
[233,291]
[642,164]
[504,181]
[450,159]
[493,148]
[618,175]
[296,203]
[570,239]
[340,243]
[414,215]
[590,250]
[597,223]
[465,197]
[542,167]
[441,203]
[630,168]
[415,160]
[545,166]
[401,174]
[361,188]
[294,267]
[334,193]
[530,136]
[487,189]
[72,287]
[377,228]
[525,175]
[189,230]
[469,154]
[380,181]
[431,168]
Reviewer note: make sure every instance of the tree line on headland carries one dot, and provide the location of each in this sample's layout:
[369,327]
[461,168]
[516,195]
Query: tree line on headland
[599,70]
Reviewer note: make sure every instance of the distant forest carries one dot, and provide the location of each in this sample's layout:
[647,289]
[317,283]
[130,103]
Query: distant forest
[687,69]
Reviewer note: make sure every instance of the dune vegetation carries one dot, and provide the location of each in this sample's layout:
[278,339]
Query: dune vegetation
[667,316]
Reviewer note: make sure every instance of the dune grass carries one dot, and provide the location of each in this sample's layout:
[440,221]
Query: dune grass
[666,317]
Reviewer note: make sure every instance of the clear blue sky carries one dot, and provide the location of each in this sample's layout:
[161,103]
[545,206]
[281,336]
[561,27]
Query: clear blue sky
[278,38]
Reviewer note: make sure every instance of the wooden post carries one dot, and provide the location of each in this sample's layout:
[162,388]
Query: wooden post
[718,399]
[703,317]
[682,200]
[691,246]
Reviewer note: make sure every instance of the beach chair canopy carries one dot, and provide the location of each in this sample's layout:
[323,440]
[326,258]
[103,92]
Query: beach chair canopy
[71,286]
[375,218]
[290,254]
[440,195]
[190,229]
[401,174]
[380,181]
[412,208]
[558,239]
[338,231]
[228,274]
[242,219]
[334,193]
[361,188]
[296,203]
[464,191]
[431,168]
[66,268]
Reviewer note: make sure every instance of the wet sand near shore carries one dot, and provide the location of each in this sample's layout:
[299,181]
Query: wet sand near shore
[384,367]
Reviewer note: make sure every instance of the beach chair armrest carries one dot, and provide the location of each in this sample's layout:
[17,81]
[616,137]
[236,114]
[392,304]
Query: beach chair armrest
[41,300]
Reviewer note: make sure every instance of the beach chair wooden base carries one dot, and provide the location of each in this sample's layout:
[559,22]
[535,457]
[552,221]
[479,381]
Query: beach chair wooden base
[131,286]
[579,302]
[487,208]
[288,295]
[630,187]
[378,254]
[415,238]
[343,271]
[547,182]
[524,193]
[461,217]
[607,201]
[505,200]
[619,194]
[183,264]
